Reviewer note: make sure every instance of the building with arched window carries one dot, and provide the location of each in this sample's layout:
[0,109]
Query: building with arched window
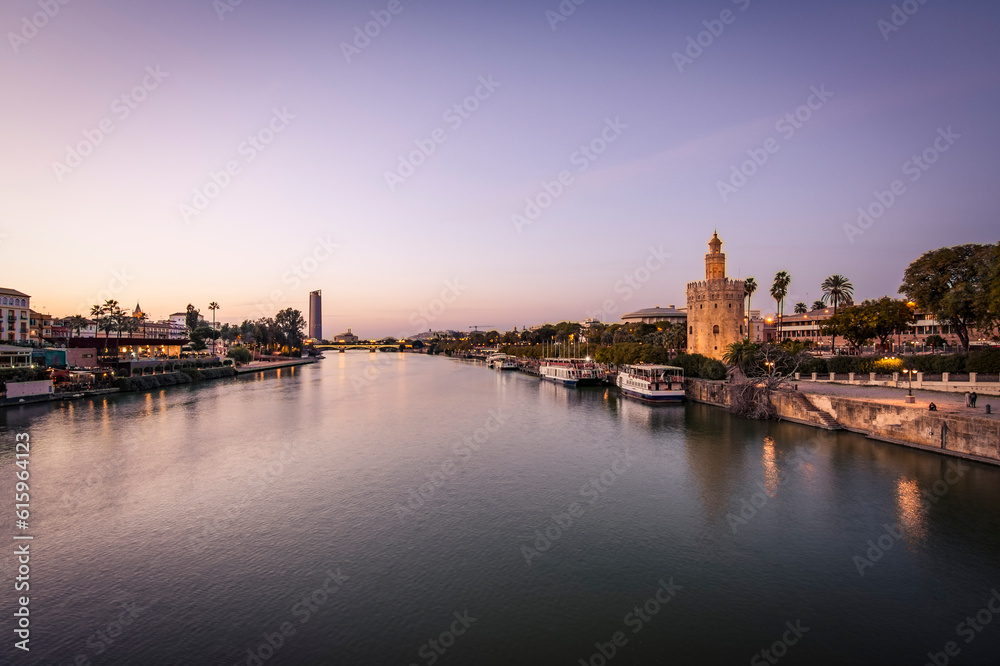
[715,307]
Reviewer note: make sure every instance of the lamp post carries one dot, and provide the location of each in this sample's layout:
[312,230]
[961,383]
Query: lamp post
[913,327]
[909,384]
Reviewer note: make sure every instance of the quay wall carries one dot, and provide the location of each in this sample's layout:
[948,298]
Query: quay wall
[951,434]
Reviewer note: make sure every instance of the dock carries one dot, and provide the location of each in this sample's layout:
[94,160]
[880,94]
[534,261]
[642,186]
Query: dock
[261,366]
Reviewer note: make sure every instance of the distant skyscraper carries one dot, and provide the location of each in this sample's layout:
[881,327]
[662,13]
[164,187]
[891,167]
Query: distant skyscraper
[316,314]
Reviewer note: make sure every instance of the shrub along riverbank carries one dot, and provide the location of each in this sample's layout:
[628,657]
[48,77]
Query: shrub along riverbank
[185,376]
[985,362]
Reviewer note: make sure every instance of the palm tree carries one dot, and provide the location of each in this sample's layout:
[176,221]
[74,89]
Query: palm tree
[213,306]
[779,289]
[801,308]
[97,312]
[749,287]
[818,305]
[74,323]
[837,289]
[739,354]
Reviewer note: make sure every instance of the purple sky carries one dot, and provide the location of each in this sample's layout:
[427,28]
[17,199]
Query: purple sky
[313,198]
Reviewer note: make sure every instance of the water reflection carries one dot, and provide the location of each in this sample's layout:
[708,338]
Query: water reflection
[714,456]
[768,462]
[910,509]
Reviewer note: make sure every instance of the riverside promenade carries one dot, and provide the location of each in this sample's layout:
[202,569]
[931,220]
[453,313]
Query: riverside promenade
[949,403]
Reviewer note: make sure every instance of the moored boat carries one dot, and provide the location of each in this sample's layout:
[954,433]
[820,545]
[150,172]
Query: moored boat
[652,383]
[501,362]
[570,371]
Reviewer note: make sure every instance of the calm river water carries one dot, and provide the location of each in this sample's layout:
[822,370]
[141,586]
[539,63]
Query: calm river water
[399,509]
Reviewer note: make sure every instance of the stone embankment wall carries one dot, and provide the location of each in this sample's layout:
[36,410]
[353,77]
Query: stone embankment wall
[952,434]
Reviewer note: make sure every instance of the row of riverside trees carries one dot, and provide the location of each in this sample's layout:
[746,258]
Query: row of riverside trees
[281,334]
[959,286]
[837,291]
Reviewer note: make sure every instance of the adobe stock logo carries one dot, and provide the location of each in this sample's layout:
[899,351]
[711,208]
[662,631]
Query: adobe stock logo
[454,115]
[786,126]
[37,21]
[915,168]
[249,149]
[122,107]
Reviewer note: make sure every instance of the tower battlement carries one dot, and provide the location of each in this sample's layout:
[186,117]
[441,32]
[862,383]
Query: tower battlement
[715,306]
[724,283]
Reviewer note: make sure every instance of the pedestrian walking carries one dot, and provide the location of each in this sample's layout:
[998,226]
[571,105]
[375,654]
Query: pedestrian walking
[968,399]
[974,397]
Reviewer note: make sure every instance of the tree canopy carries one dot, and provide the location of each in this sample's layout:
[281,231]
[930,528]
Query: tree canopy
[958,285]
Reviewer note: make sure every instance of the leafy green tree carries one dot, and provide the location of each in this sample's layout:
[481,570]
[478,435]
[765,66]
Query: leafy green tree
[818,305]
[200,335]
[801,308]
[852,323]
[889,316]
[546,333]
[228,333]
[675,337]
[954,284]
[291,325]
[989,322]
[935,341]
[240,355]
[191,317]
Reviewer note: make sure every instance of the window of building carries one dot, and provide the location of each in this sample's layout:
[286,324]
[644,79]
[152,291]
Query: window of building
[715,329]
[690,330]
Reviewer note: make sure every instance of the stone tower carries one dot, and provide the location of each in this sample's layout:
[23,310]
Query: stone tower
[715,312]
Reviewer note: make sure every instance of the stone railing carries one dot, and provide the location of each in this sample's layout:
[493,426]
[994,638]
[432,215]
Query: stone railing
[989,386]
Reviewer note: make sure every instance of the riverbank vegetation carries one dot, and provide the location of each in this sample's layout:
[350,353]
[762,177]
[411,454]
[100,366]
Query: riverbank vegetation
[281,335]
[182,376]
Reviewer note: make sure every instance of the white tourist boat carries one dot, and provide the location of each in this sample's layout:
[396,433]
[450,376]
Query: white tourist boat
[652,383]
[501,362]
[570,371]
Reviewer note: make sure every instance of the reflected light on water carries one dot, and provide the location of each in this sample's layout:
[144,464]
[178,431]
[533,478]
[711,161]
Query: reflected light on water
[910,509]
[767,460]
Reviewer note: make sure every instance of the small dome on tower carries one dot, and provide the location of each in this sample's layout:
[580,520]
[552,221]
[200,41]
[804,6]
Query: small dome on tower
[715,243]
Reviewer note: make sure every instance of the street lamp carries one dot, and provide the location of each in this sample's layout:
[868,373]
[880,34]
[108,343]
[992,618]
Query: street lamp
[913,327]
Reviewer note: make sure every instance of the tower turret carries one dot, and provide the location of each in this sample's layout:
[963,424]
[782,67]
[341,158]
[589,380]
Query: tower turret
[715,260]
